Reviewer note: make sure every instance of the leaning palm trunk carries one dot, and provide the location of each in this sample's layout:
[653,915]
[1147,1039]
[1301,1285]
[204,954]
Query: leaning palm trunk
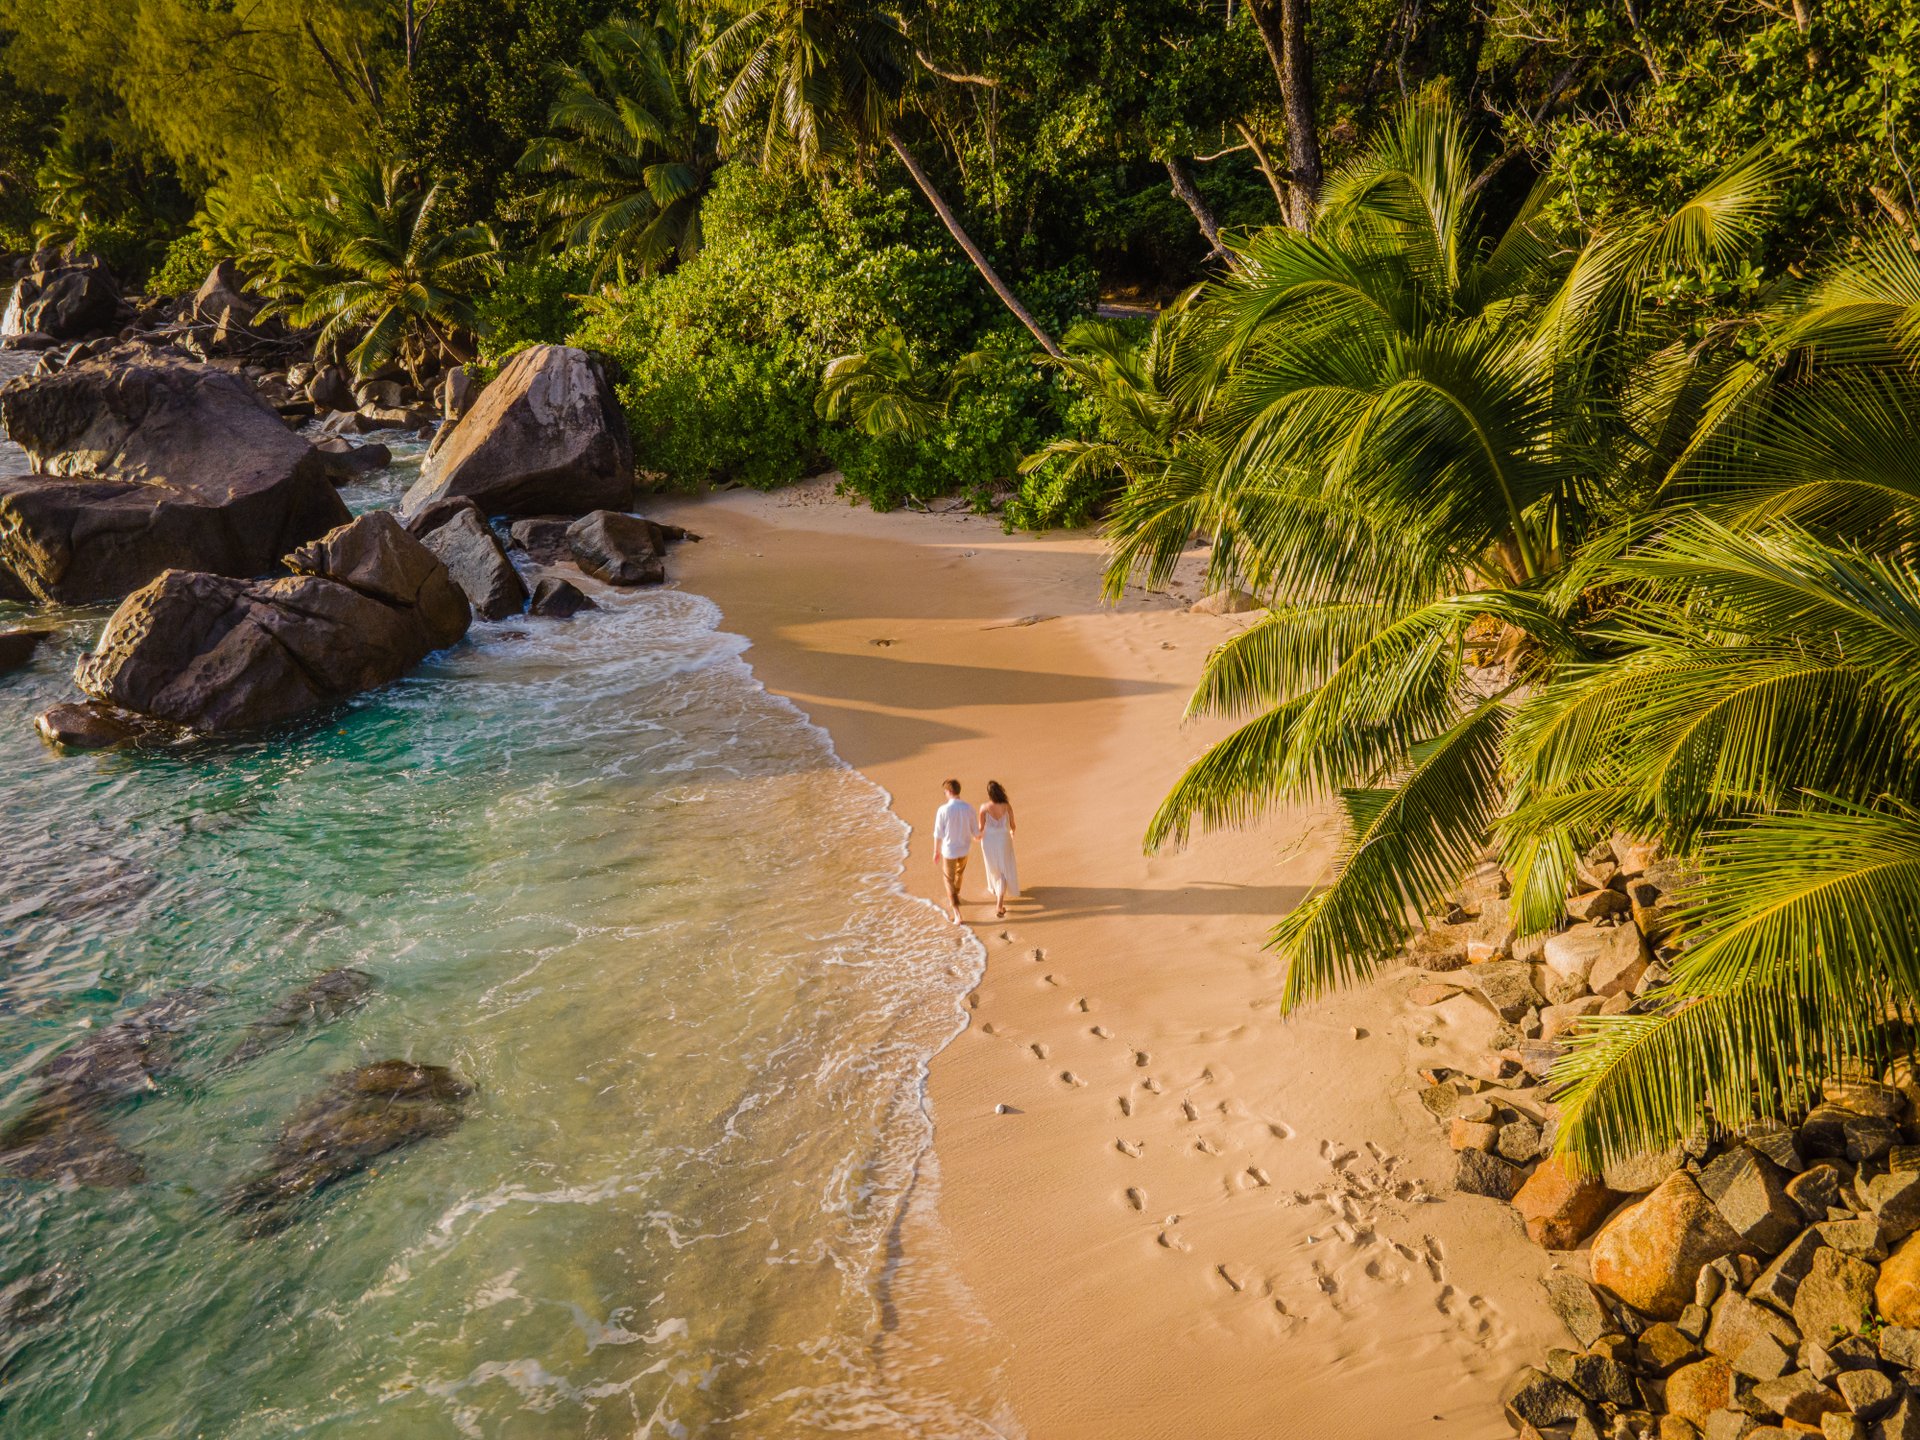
[965,241]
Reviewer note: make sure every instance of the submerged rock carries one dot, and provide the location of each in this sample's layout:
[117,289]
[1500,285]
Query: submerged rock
[17,647]
[61,1135]
[86,725]
[547,436]
[361,1115]
[208,653]
[325,998]
[146,461]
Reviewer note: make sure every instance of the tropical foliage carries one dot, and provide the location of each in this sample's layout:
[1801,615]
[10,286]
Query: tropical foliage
[374,263]
[632,155]
[1547,560]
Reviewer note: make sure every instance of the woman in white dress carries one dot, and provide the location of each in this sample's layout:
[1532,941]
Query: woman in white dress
[996,847]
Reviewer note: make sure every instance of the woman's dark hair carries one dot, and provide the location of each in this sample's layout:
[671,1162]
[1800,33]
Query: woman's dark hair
[996,792]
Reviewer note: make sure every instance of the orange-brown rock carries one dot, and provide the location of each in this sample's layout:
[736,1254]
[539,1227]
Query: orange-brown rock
[1560,1205]
[1650,1253]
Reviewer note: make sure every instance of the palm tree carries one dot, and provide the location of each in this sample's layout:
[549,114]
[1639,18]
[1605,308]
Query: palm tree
[1144,423]
[1758,711]
[825,80]
[887,390]
[384,269]
[1415,418]
[632,157]
[1762,719]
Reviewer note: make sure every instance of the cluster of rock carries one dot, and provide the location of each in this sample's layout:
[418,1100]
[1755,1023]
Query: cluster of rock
[146,460]
[212,653]
[171,483]
[70,308]
[1611,947]
[1742,1286]
[62,1134]
[1767,1287]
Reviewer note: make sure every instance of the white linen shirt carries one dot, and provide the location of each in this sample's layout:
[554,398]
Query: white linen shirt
[953,829]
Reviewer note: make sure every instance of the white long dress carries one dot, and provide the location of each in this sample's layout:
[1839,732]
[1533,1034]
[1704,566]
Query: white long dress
[996,850]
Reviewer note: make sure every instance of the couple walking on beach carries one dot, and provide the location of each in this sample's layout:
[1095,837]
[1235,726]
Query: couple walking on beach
[956,825]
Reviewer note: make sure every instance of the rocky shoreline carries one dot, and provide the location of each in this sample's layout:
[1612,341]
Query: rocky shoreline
[1745,1285]
[170,474]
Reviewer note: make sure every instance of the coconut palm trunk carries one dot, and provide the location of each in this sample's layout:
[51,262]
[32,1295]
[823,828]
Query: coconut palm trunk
[965,242]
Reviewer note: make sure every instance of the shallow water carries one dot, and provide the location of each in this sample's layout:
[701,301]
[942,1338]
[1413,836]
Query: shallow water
[640,905]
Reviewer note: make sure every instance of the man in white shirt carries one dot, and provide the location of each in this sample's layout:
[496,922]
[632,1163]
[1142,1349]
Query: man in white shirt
[953,826]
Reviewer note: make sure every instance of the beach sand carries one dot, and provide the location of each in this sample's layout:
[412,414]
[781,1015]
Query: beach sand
[1196,1217]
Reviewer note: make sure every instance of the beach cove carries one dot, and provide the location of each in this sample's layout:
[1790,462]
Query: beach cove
[1193,1216]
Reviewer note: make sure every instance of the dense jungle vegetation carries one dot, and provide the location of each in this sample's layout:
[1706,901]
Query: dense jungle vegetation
[1549,373]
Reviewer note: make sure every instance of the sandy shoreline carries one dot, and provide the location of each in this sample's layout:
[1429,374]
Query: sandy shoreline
[1201,1219]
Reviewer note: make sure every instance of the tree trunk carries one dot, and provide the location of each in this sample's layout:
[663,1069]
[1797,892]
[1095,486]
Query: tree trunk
[965,241]
[1280,195]
[1191,197]
[1285,36]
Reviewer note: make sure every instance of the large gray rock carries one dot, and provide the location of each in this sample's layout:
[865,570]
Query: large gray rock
[211,653]
[1751,1197]
[67,299]
[458,533]
[546,437]
[619,549]
[149,462]
[1836,1298]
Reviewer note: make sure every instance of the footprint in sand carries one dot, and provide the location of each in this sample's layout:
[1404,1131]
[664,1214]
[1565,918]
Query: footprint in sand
[1206,1146]
[1142,1059]
[973,1000]
[1171,1241]
[1129,1147]
[1136,1197]
[1005,937]
[1150,1085]
[1036,954]
[1187,1109]
[1040,1051]
[1067,1077]
[1232,1284]
[1435,1258]
[1324,1279]
[1102,1032]
[1279,1131]
[1048,980]
[989,1028]
[1126,1106]
[1081,1005]
[1258,1177]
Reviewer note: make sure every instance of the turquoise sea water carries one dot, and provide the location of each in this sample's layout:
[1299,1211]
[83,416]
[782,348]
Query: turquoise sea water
[632,898]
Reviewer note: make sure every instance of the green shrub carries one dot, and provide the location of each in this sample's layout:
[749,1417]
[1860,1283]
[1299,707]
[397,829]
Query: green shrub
[185,266]
[719,361]
[129,247]
[1011,407]
[539,301]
